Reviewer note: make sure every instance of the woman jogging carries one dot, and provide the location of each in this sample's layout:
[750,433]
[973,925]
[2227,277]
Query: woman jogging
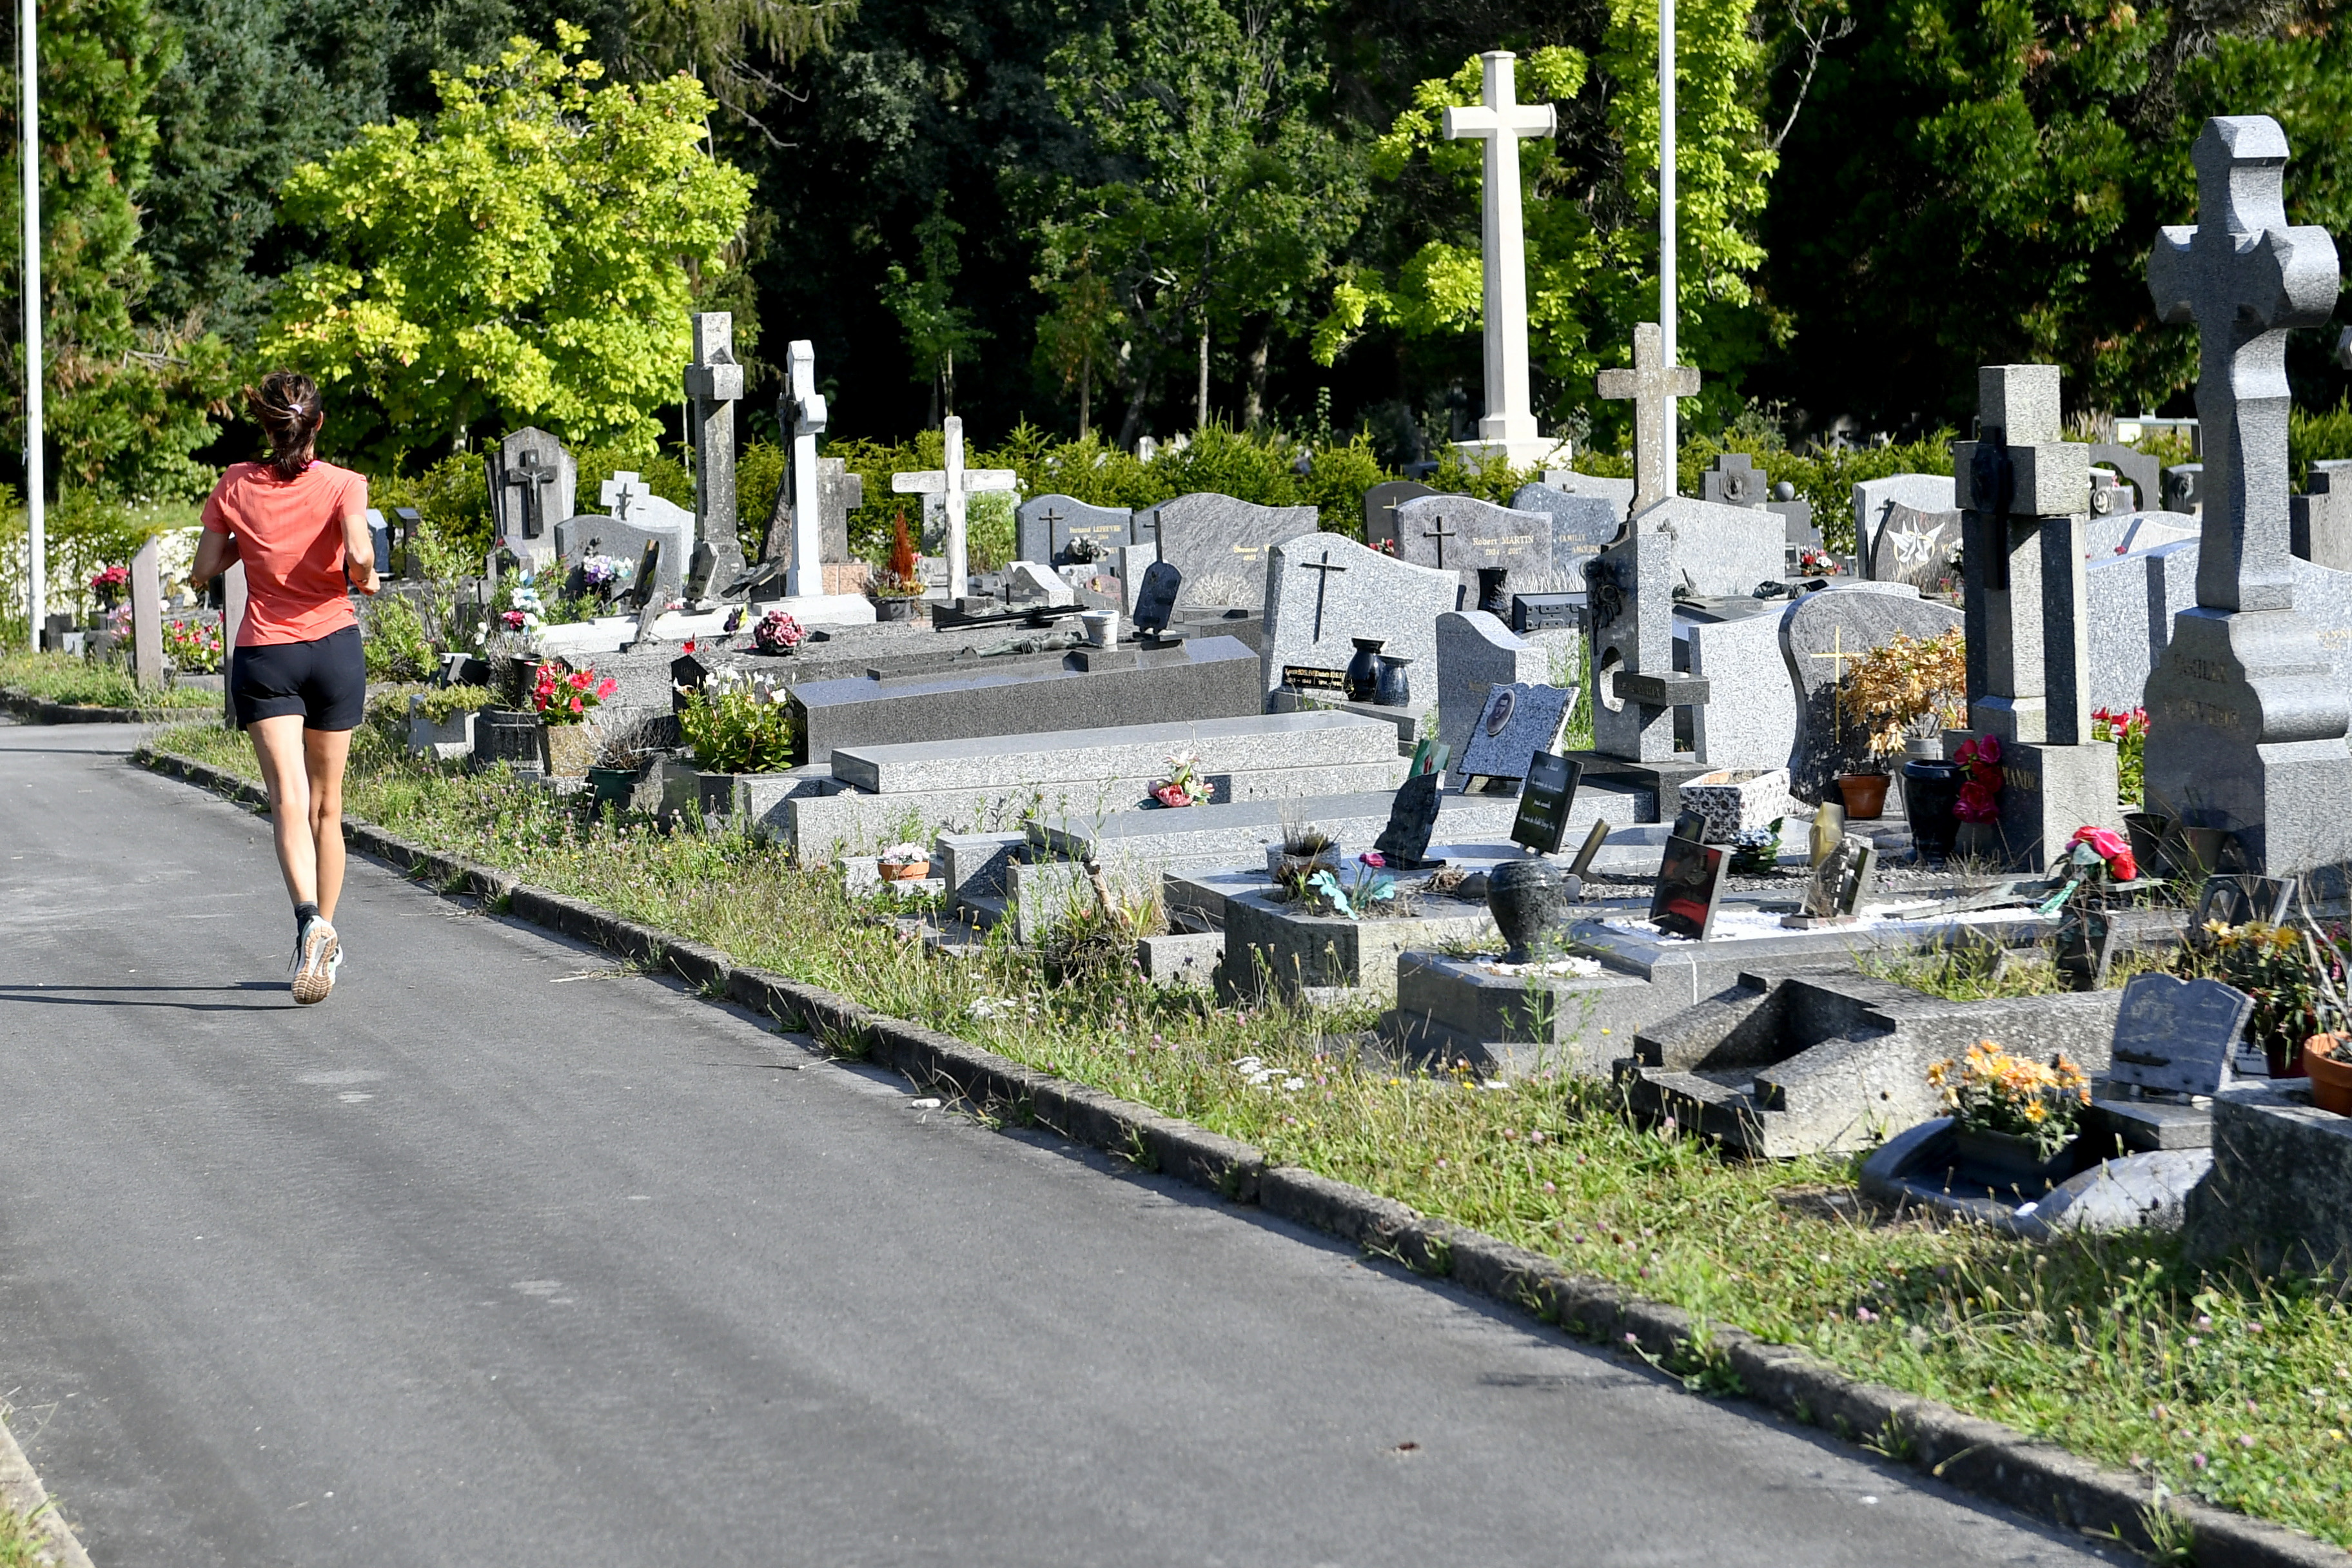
[298,681]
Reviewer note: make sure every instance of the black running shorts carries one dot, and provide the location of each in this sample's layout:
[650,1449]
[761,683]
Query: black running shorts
[325,681]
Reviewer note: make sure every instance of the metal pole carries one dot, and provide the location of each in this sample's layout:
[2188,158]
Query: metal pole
[36,589]
[1666,298]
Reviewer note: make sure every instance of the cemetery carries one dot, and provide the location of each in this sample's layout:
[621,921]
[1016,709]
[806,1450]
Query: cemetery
[1826,888]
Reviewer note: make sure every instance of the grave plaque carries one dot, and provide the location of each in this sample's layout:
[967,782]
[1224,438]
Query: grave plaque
[1380,503]
[1872,498]
[1690,881]
[1517,721]
[1463,534]
[1834,895]
[1543,802]
[1155,602]
[1915,547]
[533,483]
[2177,1035]
[1582,525]
[1404,841]
[1061,531]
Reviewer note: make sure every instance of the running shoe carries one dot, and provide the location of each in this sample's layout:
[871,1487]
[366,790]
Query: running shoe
[318,954]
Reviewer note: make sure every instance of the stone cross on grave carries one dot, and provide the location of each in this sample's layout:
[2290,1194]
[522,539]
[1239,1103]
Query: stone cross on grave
[531,476]
[617,494]
[1510,420]
[2246,723]
[715,382]
[1323,582]
[1440,533]
[955,485]
[803,415]
[1652,385]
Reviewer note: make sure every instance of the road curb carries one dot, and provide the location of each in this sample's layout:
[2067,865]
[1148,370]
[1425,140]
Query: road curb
[1983,1457]
[41,711]
[22,1492]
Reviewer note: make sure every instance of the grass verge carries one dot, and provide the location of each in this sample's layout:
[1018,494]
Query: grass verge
[2227,1387]
[70,678]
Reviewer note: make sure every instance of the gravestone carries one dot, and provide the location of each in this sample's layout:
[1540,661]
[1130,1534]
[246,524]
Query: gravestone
[147,616]
[839,493]
[1155,600]
[1517,721]
[2177,1036]
[808,527]
[1798,529]
[1874,498]
[1569,483]
[1060,531]
[1463,535]
[1835,892]
[1689,886]
[2246,719]
[953,486]
[1027,583]
[1733,479]
[714,384]
[1735,648]
[1380,502]
[1475,655]
[2184,487]
[1404,841]
[1581,526]
[534,483]
[1719,552]
[1324,590]
[639,521]
[1652,387]
[1820,636]
[1498,120]
[2319,525]
[2144,474]
[1915,547]
[407,562]
[1219,544]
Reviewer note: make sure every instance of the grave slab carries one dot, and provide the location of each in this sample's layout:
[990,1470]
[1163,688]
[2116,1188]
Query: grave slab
[1750,718]
[1719,552]
[2281,1191]
[1222,745]
[1821,636]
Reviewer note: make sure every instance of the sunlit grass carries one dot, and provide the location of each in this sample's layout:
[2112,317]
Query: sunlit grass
[70,678]
[2218,1385]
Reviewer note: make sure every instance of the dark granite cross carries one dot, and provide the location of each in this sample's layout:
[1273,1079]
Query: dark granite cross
[1440,533]
[1321,582]
[528,475]
[2244,278]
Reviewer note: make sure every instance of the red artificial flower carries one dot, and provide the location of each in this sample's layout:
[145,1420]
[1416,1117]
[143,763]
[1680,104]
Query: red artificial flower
[1976,803]
[689,644]
[605,688]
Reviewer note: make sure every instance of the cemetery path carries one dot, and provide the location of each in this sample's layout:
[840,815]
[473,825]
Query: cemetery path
[497,1258]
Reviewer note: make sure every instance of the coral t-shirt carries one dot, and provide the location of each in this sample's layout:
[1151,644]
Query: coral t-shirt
[290,535]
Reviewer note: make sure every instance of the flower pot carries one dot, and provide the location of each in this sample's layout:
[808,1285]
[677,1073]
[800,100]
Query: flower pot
[1493,596]
[1980,841]
[1731,801]
[2006,1159]
[570,750]
[1924,748]
[615,787]
[897,609]
[1865,796]
[2146,830]
[1530,898]
[1930,789]
[2331,1080]
[1281,865]
[1394,688]
[910,871]
[1362,679]
[511,736]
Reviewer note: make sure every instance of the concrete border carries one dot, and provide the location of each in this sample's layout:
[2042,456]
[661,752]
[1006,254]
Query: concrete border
[40,711]
[22,1492]
[1981,1457]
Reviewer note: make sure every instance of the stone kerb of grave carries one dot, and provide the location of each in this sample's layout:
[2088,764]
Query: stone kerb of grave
[1821,635]
[1475,653]
[1056,529]
[1872,498]
[1380,502]
[1719,552]
[1219,543]
[1581,526]
[1463,535]
[1323,591]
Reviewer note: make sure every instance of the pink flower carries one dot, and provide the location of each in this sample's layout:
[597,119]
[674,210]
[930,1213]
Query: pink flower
[2105,841]
[1373,858]
[605,688]
[575,706]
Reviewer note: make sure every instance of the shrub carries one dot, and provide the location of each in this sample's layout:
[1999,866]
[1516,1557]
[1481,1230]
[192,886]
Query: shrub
[737,725]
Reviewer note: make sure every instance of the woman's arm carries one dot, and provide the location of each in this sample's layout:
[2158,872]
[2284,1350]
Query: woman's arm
[359,552]
[216,553]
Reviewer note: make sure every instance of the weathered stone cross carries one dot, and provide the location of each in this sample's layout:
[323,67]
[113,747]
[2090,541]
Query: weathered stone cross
[1510,408]
[1652,385]
[805,418]
[1321,582]
[955,485]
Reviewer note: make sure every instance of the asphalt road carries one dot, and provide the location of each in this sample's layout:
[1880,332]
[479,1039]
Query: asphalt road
[497,1258]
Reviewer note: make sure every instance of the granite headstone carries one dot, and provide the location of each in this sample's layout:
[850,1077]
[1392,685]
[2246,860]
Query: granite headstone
[1220,544]
[1820,636]
[1915,547]
[1517,721]
[1323,591]
[1463,534]
[2177,1035]
[1380,502]
[1872,498]
[1475,653]
[1061,531]
[1581,526]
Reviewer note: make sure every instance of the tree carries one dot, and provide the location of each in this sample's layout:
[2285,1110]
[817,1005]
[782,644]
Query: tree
[936,329]
[523,256]
[1222,196]
[1074,340]
[1590,207]
[738,48]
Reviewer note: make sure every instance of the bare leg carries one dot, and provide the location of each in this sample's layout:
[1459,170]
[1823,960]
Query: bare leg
[278,744]
[324,752]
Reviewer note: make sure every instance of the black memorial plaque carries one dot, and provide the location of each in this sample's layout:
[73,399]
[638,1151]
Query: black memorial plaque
[1690,882]
[1543,802]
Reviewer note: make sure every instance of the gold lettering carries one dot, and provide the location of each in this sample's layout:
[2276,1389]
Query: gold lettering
[2212,715]
[2203,669]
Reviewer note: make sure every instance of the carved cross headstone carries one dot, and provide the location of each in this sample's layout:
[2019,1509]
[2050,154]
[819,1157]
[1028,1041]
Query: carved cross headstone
[1322,585]
[2246,721]
[1500,122]
[617,494]
[802,413]
[955,485]
[1652,385]
[715,382]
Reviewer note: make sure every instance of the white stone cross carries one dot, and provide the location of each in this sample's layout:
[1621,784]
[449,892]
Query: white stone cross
[620,492]
[805,418]
[1510,408]
[954,485]
[1652,385]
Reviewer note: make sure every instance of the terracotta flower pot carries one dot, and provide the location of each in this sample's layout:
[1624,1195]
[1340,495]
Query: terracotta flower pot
[912,871]
[1865,796]
[2331,1080]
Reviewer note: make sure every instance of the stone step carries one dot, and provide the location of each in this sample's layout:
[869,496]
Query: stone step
[1251,742]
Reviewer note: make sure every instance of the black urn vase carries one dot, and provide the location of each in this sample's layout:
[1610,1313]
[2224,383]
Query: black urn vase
[1529,898]
[1931,788]
[1493,596]
[1362,679]
[1395,688]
